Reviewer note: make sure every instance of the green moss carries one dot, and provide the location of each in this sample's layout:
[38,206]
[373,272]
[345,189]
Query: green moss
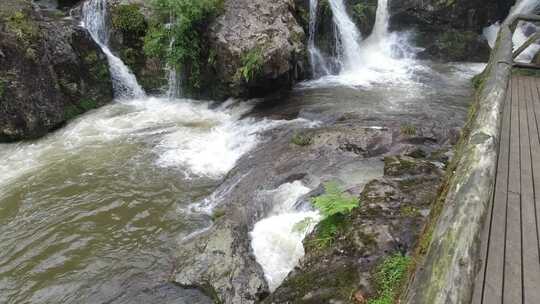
[252,63]
[409,211]
[389,277]
[217,214]
[301,139]
[21,25]
[526,72]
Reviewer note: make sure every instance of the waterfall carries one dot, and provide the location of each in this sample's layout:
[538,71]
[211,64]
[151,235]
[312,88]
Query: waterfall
[95,21]
[380,29]
[174,81]
[349,36]
[318,63]
[522,7]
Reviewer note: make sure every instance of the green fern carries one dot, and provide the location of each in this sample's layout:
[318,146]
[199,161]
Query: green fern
[334,201]
[334,205]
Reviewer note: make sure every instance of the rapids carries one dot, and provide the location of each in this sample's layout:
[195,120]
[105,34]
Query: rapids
[95,212]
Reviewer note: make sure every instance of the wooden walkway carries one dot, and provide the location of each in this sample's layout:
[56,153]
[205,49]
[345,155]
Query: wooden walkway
[510,244]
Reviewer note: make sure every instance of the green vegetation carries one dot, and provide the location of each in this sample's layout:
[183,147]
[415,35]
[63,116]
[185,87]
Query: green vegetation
[408,130]
[129,19]
[301,139]
[389,277]
[333,205]
[217,214]
[181,43]
[252,63]
[363,10]
[84,105]
[20,24]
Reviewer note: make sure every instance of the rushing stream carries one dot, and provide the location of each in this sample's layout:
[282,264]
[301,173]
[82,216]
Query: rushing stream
[94,212]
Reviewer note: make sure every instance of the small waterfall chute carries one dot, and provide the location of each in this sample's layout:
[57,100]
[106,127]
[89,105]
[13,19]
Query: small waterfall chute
[318,63]
[381,57]
[95,18]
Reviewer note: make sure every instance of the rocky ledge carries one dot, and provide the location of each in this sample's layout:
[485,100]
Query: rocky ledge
[50,71]
[220,260]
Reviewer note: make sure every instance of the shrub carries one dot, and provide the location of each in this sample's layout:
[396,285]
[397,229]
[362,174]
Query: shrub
[252,63]
[176,35]
[129,19]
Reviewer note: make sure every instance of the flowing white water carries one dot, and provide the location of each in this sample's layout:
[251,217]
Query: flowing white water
[95,21]
[185,135]
[276,243]
[382,57]
[316,58]
[520,36]
[349,34]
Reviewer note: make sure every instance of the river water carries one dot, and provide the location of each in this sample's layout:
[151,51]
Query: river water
[95,212]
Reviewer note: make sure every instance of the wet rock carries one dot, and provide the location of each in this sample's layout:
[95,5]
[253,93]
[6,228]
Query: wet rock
[50,71]
[220,260]
[448,30]
[265,33]
[389,220]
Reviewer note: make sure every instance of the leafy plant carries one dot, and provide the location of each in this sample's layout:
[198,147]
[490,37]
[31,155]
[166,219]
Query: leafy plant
[334,205]
[176,35]
[129,19]
[252,63]
[334,201]
[388,278]
[20,24]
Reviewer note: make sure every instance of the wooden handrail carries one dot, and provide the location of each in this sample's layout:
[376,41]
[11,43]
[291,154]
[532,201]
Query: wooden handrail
[532,39]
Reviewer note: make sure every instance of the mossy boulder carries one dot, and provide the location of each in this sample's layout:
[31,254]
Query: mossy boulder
[49,71]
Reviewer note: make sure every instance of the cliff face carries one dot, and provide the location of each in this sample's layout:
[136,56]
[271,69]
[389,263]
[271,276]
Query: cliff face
[50,71]
[449,30]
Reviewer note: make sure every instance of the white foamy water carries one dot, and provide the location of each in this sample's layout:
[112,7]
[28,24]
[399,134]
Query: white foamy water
[520,37]
[95,21]
[276,243]
[382,57]
[221,139]
[182,134]
[316,58]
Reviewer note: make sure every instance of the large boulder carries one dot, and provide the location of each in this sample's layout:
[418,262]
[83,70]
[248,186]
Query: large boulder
[257,48]
[449,30]
[50,71]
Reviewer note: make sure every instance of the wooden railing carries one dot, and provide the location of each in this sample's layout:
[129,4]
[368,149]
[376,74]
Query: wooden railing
[446,273]
[532,39]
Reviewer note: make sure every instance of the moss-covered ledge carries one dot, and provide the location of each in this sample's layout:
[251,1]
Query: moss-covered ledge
[447,262]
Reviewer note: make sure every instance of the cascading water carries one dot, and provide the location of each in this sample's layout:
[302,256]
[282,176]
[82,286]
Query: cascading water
[522,7]
[175,82]
[349,36]
[318,62]
[95,21]
[383,56]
